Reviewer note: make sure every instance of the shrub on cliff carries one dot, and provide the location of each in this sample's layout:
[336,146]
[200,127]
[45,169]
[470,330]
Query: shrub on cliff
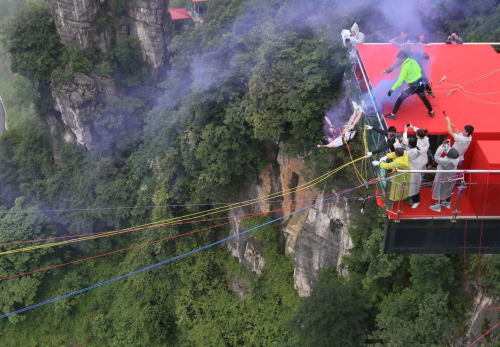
[31,39]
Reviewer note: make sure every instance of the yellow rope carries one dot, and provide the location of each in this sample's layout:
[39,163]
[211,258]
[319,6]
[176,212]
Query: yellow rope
[188,217]
[360,177]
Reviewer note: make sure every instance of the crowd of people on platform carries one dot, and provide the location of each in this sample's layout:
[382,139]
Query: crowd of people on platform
[408,153]
[411,154]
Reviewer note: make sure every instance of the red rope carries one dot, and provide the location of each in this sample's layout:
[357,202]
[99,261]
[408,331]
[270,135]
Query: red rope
[113,252]
[139,228]
[491,308]
[486,333]
[132,229]
[145,244]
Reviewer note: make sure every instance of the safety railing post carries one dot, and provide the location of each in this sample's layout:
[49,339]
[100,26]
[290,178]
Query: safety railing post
[401,194]
[368,87]
[459,200]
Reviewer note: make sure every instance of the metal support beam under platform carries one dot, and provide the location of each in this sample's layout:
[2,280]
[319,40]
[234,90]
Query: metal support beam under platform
[440,236]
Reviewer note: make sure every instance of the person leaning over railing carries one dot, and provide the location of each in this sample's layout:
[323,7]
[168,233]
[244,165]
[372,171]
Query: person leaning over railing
[400,161]
[391,134]
[454,38]
[356,38]
[443,185]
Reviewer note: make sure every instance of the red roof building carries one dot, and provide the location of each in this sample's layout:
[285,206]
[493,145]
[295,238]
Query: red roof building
[179,13]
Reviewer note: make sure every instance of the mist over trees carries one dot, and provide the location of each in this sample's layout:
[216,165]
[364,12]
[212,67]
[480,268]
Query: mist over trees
[254,74]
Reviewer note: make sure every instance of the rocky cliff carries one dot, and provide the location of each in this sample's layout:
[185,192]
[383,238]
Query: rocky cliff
[316,237]
[95,23]
[151,24]
[480,320]
[98,24]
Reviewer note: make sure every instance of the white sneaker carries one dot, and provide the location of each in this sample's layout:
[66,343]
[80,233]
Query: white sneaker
[436,207]
[415,205]
[446,204]
[355,105]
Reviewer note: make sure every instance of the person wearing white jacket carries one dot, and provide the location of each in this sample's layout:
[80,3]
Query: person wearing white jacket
[416,178]
[417,162]
[356,38]
[422,143]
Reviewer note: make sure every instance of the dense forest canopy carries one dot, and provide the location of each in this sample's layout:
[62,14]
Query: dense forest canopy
[255,74]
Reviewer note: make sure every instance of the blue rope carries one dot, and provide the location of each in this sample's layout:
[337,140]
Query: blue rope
[164,261]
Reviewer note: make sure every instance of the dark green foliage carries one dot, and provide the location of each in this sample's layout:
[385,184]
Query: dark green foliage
[251,78]
[79,61]
[126,58]
[414,321]
[331,316]
[210,313]
[20,292]
[26,149]
[120,123]
[477,21]
[31,39]
[491,274]
[289,87]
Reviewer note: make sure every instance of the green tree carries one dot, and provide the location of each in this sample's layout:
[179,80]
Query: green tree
[126,58]
[415,321]
[19,292]
[289,87]
[330,317]
[31,39]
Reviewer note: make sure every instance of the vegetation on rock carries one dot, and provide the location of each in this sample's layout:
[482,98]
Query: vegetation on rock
[253,74]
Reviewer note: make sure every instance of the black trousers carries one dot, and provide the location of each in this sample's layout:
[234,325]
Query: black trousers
[427,85]
[447,200]
[415,198]
[417,87]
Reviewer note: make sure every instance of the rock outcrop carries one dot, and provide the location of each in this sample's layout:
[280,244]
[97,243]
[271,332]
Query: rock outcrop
[151,24]
[76,100]
[480,320]
[74,19]
[93,23]
[316,237]
[323,241]
[97,24]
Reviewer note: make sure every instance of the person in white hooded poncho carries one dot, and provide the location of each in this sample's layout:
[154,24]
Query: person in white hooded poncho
[444,183]
[418,162]
[416,178]
[356,38]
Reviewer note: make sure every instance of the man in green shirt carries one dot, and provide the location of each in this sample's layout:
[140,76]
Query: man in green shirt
[411,73]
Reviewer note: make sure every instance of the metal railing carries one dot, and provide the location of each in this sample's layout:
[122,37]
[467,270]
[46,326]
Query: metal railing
[372,114]
[460,177]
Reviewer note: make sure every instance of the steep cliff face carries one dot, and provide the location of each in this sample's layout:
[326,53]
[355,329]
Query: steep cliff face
[316,237]
[245,247]
[480,320]
[76,100]
[73,20]
[148,20]
[151,24]
[100,23]
[322,241]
